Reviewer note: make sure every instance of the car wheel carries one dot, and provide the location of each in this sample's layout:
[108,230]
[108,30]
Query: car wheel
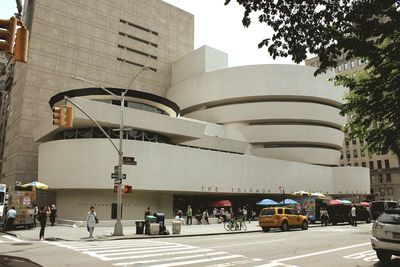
[383,256]
[284,226]
[304,225]
[368,220]
[265,229]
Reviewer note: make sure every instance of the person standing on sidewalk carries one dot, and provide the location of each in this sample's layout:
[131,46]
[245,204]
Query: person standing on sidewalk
[43,214]
[91,221]
[35,214]
[244,213]
[53,213]
[205,216]
[11,214]
[189,215]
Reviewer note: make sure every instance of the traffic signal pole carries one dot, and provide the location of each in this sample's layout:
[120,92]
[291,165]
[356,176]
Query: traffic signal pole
[118,228]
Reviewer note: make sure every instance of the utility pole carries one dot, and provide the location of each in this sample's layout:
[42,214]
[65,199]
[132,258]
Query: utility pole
[118,229]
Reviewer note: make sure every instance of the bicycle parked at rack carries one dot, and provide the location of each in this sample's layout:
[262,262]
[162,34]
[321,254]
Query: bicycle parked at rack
[235,224]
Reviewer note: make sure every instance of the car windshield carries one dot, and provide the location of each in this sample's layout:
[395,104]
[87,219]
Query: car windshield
[392,205]
[268,212]
[390,217]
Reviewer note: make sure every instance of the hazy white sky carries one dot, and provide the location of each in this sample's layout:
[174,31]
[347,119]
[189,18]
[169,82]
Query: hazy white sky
[217,26]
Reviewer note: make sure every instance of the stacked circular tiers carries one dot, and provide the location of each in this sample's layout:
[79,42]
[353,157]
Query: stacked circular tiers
[282,111]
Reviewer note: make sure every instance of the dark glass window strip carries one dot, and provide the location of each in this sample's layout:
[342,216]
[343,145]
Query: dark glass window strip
[138,26]
[134,105]
[93,132]
[135,64]
[137,39]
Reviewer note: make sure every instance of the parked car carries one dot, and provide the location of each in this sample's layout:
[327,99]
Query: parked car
[378,207]
[385,238]
[341,213]
[281,217]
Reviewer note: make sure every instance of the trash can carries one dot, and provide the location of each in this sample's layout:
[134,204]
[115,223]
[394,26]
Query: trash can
[149,220]
[176,227]
[160,218]
[140,227]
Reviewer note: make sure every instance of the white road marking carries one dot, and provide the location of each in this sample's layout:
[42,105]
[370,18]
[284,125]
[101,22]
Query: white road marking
[368,256]
[313,254]
[199,261]
[12,238]
[248,243]
[161,254]
[169,259]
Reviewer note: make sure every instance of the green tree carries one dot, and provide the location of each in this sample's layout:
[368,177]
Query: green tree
[331,29]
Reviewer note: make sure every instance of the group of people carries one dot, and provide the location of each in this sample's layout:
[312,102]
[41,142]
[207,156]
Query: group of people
[199,216]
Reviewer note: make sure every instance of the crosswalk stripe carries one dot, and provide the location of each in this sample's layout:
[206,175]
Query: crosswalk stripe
[160,254]
[133,249]
[12,238]
[199,261]
[169,259]
[150,252]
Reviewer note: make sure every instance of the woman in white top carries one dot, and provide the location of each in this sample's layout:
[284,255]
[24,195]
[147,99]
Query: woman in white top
[91,221]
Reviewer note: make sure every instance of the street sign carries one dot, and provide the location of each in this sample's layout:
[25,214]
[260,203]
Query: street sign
[114,175]
[129,161]
[117,182]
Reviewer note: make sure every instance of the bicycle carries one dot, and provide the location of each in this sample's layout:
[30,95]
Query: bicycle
[235,224]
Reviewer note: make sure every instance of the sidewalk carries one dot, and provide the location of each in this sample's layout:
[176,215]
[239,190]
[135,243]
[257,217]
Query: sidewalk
[70,233]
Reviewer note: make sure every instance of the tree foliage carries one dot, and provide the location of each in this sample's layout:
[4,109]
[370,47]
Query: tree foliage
[333,29]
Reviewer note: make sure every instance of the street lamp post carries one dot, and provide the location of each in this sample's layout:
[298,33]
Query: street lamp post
[118,229]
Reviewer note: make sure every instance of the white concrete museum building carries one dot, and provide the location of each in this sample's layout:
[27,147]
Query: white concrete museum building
[220,132]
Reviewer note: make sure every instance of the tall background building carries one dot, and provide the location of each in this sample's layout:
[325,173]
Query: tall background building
[103,41]
[384,168]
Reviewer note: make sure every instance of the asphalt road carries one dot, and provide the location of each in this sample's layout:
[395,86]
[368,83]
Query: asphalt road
[341,245]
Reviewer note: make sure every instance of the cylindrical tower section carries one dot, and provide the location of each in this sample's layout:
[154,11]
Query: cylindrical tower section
[283,111]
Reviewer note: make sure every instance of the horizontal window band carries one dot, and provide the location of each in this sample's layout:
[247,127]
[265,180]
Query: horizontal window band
[138,26]
[296,145]
[135,64]
[296,122]
[260,99]
[136,51]
[137,39]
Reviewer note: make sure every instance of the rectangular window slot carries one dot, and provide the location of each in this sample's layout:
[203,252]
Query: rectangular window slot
[137,39]
[135,64]
[138,27]
[136,51]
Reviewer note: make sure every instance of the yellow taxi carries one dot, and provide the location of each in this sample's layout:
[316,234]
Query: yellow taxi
[281,217]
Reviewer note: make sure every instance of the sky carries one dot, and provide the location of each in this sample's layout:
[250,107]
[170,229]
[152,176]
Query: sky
[217,26]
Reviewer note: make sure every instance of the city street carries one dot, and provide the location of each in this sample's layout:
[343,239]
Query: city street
[341,245]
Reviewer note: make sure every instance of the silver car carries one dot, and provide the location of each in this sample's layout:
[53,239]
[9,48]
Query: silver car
[385,238]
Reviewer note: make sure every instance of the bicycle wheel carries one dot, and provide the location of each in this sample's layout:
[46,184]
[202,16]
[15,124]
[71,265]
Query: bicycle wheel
[227,225]
[243,226]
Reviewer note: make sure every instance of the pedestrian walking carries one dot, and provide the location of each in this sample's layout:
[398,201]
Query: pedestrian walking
[189,215]
[53,214]
[10,218]
[215,211]
[324,216]
[91,221]
[205,216]
[198,216]
[244,211]
[43,214]
[353,216]
[35,214]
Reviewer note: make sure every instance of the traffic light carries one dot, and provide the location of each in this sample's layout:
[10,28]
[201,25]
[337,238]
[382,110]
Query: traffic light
[68,117]
[127,189]
[8,29]
[21,45]
[62,116]
[59,116]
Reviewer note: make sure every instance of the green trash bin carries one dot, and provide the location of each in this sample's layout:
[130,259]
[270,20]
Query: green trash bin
[149,219]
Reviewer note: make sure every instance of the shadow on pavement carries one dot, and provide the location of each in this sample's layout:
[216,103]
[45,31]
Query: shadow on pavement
[11,261]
